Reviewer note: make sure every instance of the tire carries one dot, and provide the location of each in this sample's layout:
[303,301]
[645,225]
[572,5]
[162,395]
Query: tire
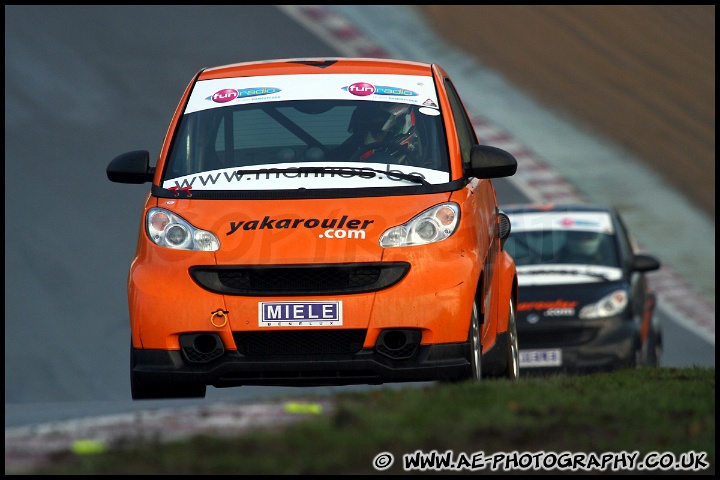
[513,351]
[503,360]
[152,392]
[654,351]
[475,354]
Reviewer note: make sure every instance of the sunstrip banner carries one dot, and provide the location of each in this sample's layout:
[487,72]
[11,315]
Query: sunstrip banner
[283,176]
[415,90]
[585,221]
[566,274]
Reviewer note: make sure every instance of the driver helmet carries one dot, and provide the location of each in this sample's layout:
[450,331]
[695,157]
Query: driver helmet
[546,243]
[586,243]
[383,122]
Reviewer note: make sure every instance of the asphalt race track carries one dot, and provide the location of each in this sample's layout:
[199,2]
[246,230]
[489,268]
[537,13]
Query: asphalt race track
[84,84]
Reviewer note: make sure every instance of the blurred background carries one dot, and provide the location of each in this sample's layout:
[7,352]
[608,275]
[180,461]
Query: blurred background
[590,92]
[641,75]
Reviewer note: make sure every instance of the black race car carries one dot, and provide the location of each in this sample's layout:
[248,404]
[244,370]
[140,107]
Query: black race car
[583,302]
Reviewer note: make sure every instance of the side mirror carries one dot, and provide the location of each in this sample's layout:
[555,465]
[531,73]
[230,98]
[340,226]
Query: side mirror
[645,263]
[131,167]
[491,162]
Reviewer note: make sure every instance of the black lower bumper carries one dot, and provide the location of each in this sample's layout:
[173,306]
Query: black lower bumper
[615,345]
[446,362]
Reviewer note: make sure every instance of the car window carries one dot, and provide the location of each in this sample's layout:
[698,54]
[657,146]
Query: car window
[465,130]
[217,140]
[554,247]
[588,238]
[627,243]
[283,132]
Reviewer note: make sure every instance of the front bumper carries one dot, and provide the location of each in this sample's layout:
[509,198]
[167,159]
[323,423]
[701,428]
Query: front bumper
[387,362]
[585,345]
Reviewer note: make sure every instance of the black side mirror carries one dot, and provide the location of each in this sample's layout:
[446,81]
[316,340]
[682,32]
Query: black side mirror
[491,162]
[645,263]
[131,167]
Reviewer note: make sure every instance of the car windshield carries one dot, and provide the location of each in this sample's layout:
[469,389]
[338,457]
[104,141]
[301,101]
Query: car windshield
[544,247]
[269,145]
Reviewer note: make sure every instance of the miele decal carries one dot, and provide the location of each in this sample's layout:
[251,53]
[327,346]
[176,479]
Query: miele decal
[362,89]
[333,227]
[228,94]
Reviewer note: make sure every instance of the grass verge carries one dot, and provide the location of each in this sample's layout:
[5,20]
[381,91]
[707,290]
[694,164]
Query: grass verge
[669,411]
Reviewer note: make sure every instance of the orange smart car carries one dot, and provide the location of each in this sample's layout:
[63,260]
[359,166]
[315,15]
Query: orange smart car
[319,222]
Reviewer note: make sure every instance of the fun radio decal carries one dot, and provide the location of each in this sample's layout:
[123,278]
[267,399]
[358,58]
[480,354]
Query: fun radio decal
[362,89]
[229,94]
[574,222]
[224,92]
[591,221]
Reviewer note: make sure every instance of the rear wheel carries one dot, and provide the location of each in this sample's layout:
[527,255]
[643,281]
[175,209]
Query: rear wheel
[475,345]
[474,352]
[503,360]
[513,351]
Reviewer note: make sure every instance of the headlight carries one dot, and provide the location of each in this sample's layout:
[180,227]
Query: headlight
[172,231]
[432,225]
[607,306]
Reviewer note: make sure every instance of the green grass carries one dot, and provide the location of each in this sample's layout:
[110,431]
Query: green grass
[648,410]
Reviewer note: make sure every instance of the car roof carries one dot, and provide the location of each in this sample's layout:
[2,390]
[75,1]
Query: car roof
[318,66]
[555,207]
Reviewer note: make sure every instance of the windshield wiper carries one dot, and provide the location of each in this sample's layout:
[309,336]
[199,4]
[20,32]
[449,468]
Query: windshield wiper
[364,172]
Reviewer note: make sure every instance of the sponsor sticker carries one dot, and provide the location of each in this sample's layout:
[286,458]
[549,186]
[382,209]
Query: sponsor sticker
[300,314]
[540,358]
[221,92]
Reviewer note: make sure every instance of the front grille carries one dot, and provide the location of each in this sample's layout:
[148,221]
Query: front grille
[201,347]
[283,280]
[408,351]
[555,338]
[193,355]
[300,342]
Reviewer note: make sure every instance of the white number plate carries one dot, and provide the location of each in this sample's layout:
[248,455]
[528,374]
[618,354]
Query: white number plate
[540,358]
[300,314]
